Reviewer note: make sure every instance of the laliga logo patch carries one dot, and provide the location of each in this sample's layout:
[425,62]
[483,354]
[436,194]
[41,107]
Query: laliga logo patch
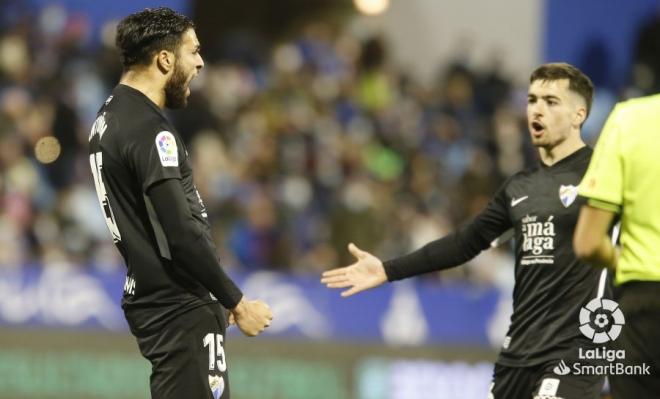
[166,145]
[567,194]
[217,384]
[601,320]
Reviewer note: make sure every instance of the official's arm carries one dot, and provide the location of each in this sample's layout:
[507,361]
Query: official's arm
[591,241]
[602,185]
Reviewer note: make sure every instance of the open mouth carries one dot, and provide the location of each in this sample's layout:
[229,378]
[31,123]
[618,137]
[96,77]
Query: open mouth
[537,127]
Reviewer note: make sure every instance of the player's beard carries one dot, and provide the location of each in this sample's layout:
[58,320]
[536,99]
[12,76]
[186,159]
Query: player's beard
[176,88]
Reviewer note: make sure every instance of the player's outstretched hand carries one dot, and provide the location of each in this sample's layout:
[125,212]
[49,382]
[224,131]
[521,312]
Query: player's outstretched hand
[252,317]
[367,272]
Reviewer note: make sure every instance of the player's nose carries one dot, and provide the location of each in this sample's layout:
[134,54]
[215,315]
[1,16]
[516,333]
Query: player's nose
[537,110]
[200,63]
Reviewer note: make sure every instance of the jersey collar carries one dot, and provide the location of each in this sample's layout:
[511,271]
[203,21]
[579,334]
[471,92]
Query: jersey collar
[584,153]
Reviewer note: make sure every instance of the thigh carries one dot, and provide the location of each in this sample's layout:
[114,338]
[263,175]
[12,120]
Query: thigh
[550,385]
[187,356]
[512,382]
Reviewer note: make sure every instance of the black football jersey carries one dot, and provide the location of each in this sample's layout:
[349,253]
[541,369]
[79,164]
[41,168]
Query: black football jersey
[541,206]
[551,284]
[132,145]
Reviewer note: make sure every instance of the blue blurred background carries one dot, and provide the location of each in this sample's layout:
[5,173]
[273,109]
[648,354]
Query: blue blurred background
[313,124]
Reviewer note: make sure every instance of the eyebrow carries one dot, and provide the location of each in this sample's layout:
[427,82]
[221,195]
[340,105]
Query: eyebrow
[546,97]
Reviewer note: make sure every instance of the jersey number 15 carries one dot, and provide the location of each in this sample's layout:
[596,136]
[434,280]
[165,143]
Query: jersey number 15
[216,351]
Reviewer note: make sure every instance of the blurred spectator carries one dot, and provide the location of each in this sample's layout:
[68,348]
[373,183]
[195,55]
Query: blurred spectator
[321,143]
[254,237]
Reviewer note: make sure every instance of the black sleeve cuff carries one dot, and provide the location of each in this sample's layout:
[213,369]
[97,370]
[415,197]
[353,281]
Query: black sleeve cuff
[406,266]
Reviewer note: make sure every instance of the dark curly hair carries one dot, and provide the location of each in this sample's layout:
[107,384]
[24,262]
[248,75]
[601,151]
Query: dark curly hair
[143,34]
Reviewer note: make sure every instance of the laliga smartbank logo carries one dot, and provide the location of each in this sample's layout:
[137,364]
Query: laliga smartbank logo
[601,320]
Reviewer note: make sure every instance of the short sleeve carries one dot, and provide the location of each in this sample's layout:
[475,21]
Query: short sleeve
[602,185]
[156,156]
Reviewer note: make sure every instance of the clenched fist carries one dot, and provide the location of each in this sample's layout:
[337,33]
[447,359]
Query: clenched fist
[251,317]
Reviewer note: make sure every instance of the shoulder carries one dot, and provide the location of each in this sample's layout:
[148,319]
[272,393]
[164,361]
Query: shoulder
[134,114]
[636,107]
[523,175]
[133,123]
[510,184]
[586,157]
[521,183]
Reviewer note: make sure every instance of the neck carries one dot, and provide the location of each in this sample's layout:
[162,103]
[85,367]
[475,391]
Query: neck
[552,155]
[144,81]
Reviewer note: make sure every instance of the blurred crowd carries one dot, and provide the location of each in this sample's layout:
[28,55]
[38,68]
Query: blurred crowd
[322,143]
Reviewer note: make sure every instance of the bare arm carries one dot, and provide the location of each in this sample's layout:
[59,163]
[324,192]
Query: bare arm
[591,241]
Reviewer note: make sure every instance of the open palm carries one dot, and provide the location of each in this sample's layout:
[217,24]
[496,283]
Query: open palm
[367,272]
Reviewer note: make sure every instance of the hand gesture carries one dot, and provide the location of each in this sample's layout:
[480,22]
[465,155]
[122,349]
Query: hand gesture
[367,272]
[251,317]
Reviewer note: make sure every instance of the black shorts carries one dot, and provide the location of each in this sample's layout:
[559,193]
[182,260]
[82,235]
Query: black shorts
[187,356]
[543,383]
[640,304]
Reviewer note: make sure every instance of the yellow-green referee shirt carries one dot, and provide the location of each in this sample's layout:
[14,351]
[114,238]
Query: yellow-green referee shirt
[624,177]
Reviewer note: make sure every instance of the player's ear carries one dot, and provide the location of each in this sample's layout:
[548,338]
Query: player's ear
[580,116]
[165,61]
